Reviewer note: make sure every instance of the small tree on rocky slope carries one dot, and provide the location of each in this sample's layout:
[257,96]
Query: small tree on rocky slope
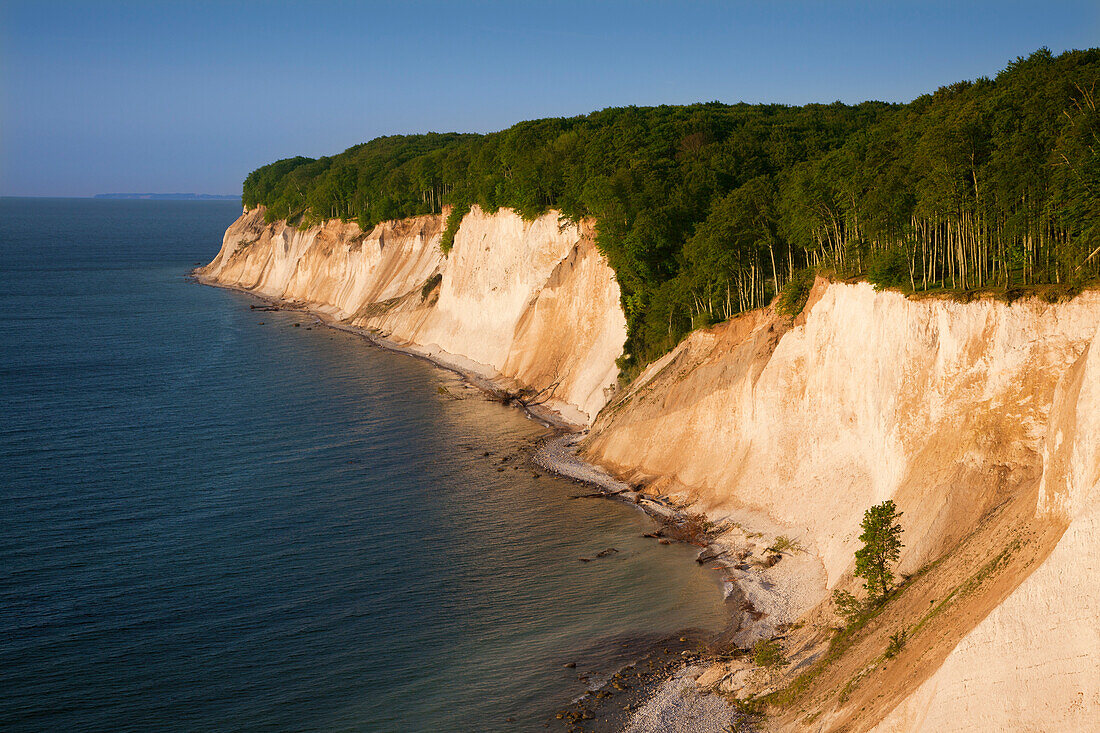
[881,540]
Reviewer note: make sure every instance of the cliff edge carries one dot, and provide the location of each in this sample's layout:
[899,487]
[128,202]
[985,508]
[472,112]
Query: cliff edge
[531,305]
[980,420]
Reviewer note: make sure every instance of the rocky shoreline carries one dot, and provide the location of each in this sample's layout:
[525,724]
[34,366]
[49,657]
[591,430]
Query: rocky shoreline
[667,687]
[656,691]
[692,681]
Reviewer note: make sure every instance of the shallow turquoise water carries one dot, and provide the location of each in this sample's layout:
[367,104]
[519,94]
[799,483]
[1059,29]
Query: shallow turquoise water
[213,524]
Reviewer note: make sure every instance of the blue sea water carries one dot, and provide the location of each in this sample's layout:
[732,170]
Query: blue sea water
[213,519]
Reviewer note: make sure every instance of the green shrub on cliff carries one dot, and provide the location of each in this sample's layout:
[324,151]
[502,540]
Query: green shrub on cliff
[768,653]
[848,607]
[430,285]
[792,298]
[707,210]
[897,643]
[454,219]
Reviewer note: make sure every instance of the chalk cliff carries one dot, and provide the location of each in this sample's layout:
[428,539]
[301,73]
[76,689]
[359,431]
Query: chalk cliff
[1032,664]
[953,410]
[530,304]
[981,420]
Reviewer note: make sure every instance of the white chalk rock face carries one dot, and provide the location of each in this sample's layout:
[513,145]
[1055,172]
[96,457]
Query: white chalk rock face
[1033,664]
[941,406]
[938,405]
[531,304]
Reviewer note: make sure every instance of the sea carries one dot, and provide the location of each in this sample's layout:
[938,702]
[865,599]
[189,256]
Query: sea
[215,517]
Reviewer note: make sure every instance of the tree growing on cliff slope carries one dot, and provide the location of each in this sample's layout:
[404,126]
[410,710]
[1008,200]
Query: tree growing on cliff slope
[881,540]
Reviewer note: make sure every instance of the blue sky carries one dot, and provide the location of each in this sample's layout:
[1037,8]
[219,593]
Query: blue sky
[191,96]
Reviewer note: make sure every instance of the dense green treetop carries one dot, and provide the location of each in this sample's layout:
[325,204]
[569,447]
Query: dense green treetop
[709,209]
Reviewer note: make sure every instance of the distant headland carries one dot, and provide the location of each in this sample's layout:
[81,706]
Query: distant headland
[170,196]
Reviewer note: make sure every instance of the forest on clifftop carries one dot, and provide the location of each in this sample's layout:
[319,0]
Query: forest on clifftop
[707,210]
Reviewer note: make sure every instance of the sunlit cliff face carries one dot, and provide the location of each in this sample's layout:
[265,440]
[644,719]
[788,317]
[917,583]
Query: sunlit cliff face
[949,409]
[531,302]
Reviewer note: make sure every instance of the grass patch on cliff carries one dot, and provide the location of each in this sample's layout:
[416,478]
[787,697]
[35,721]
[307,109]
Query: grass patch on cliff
[783,543]
[381,308]
[971,584]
